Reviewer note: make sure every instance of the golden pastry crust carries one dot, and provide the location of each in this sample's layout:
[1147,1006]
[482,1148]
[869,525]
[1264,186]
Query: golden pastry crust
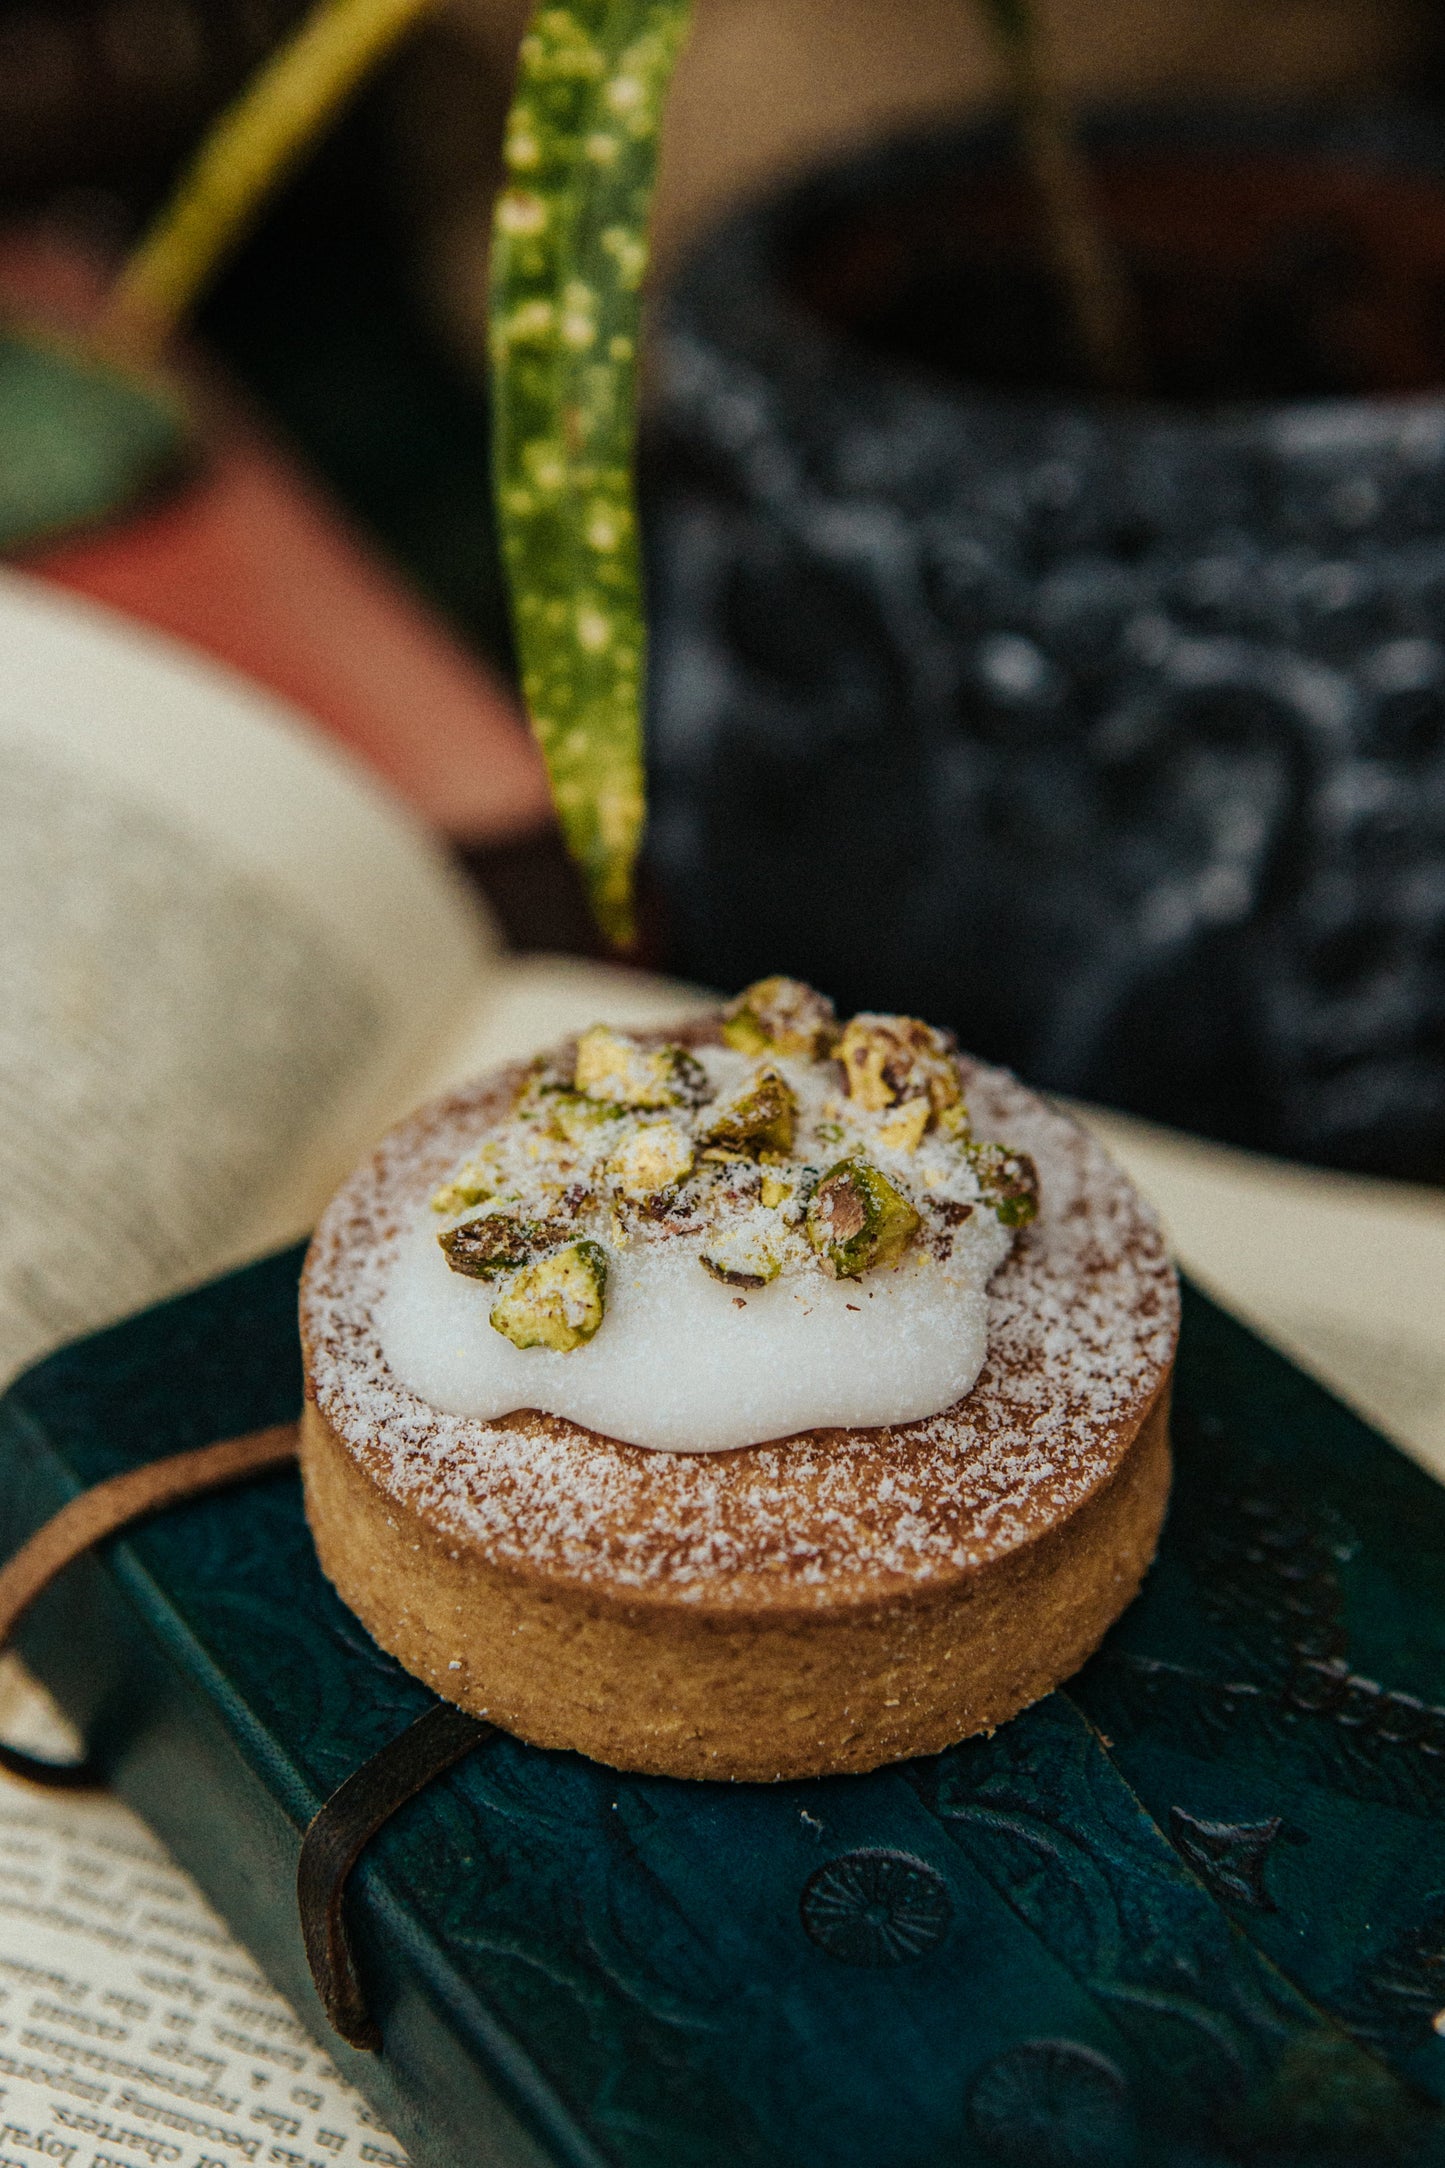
[823,1604]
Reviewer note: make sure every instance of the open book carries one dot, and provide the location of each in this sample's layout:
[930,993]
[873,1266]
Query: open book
[227,961]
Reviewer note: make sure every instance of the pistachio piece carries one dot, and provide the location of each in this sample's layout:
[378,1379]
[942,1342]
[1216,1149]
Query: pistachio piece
[485,1247]
[740,1257]
[575,1119]
[780,1016]
[472,1184]
[557,1302]
[757,1122]
[612,1066]
[953,1121]
[904,1133]
[857,1221]
[1008,1181]
[889,1059]
[653,1158]
[541,1078]
[774,1192]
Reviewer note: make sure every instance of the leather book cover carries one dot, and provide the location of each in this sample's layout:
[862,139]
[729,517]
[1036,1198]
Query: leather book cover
[1188,1911]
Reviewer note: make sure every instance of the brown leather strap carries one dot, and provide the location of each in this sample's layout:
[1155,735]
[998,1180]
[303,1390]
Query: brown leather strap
[102,1511]
[353,1814]
[338,1835]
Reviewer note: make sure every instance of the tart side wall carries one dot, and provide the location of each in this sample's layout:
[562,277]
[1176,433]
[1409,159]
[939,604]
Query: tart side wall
[667,1691]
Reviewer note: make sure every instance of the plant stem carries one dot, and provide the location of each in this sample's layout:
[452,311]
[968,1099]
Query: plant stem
[245,154]
[570,251]
[1100,299]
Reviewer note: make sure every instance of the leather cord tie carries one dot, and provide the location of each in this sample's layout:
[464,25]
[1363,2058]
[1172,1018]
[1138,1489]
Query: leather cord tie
[345,1825]
[340,1832]
[103,1511]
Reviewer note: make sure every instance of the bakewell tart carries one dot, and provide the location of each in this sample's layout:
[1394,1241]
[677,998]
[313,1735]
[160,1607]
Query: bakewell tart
[774,1399]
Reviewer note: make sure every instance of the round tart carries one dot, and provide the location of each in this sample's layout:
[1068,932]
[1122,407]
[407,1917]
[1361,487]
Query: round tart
[828,1602]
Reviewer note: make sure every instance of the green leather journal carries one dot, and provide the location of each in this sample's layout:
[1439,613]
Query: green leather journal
[1190,1910]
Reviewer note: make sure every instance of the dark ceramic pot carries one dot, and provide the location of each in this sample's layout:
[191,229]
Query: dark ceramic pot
[1112,734]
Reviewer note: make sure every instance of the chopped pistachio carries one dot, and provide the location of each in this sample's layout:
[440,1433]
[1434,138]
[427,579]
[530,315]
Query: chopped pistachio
[857,1221]
[758,1121]
[1009,1182]
[804,1194]
[576,1119]
[689,1078]
[557,1302]
[472,1184]
[653,1158]
[888,1059]
[904,1133]
[540,1077]
[739,1257]
[734,1276]
[742,1031]
[780,1016]
[613,1067]
[485,1247]
[774,1192]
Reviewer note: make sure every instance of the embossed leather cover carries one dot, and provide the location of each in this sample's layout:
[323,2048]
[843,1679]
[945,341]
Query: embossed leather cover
[1190,1911]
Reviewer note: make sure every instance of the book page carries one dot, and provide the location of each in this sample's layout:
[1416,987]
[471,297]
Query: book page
[1345,1275]
[226,961]
[134,2032]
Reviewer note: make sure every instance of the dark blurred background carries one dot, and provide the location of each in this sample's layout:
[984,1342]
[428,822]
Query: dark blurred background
[357,310]
[1114,736]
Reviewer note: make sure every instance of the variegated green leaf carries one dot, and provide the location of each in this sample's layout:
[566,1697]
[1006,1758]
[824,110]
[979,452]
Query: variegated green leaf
[571,248]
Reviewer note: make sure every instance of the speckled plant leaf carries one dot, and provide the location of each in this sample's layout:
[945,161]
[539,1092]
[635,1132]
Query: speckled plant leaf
[570,253]
[81,440]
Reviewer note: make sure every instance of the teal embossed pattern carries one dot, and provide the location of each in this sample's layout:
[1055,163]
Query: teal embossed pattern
[1188,1912]
[876,1908]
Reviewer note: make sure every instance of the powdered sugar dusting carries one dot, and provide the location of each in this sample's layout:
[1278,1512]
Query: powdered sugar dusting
[1081,1329]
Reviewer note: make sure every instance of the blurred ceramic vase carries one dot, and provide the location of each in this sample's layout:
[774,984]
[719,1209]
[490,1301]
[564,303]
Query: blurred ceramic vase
[1113,732]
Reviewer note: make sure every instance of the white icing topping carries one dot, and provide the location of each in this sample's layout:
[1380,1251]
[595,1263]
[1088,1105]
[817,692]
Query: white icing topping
[683,1362]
